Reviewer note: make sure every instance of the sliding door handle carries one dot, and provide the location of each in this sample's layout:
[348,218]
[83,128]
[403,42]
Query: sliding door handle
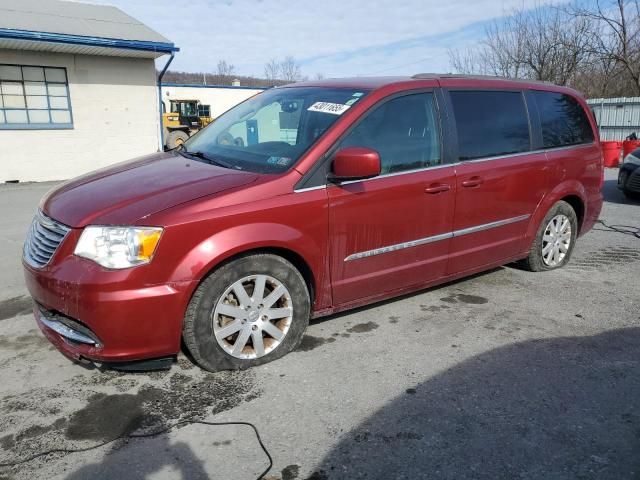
[437,188]
[472,182]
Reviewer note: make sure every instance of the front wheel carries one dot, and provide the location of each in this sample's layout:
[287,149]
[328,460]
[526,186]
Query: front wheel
[555,239]
[250,311]
[176,138]
[631,195]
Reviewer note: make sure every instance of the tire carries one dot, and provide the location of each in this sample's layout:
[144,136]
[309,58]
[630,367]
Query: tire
[537,261]
[631,195]
[176,138]
[204,324]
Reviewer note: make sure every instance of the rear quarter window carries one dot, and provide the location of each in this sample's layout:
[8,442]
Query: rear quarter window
[563,120]
[490,123]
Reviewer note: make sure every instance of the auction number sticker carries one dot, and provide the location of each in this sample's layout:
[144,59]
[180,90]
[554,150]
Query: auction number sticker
[326,107]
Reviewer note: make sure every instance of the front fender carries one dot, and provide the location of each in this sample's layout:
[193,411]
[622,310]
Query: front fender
[212,251]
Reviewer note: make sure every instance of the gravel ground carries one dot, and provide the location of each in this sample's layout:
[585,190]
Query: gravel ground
[507,374]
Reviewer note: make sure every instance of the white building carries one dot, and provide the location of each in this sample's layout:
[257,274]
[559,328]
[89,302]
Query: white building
[214,99]
[78,88]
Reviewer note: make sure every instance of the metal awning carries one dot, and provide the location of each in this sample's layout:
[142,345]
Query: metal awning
[78,28]
[82,45]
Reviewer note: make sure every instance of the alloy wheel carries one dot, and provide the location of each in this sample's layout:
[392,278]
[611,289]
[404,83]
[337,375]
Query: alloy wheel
[556,240]
[252,317]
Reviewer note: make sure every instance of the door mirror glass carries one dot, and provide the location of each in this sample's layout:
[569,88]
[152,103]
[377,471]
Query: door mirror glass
[355,163]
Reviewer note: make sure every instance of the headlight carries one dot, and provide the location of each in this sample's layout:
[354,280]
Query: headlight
[118,247]
[631,159]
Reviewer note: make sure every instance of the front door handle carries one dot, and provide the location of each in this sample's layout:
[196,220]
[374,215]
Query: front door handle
[472,182]
[437,188]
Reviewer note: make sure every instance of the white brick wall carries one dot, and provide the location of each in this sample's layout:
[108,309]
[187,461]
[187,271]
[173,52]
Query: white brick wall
[115,116]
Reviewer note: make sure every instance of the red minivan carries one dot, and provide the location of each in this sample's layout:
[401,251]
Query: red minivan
[306,200]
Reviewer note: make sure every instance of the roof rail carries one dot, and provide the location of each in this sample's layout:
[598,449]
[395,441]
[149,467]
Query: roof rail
[421,76]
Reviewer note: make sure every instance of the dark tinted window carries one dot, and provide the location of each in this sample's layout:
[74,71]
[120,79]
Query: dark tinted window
[204,110]
[490,123]
[563,119]
[404,131]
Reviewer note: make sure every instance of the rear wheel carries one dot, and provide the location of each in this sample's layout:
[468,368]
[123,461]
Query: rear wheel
[555,239]
[176,138]
[250,311]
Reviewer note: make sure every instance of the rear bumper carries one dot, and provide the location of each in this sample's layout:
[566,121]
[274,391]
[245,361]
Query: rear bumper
[88,317]
[592,212]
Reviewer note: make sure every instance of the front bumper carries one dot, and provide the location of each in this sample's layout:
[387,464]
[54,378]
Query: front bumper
[629,177]
[106,316]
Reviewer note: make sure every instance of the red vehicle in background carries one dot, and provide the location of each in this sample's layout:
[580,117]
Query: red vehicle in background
[306,200]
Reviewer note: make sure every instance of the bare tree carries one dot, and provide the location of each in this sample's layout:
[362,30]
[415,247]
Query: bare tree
[225,69]
[290,69]
[284,71]
[617,37]
[467,61]
[555,45]
[594,47]
[544,43]
[272,70]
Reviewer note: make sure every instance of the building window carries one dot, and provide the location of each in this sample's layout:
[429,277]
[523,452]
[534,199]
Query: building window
[34,97]
[204,110]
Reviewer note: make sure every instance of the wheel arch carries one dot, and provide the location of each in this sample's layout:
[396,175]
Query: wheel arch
[578,206]
[248,239]
[291,256]
[572,192]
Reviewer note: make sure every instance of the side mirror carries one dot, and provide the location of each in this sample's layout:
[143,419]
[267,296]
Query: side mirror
[355,163]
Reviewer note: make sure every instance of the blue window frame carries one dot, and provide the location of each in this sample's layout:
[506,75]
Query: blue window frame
[34,97]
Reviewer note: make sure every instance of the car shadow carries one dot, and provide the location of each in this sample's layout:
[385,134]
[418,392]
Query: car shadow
[613,194]
[559,408]
[415,293]
[145,459]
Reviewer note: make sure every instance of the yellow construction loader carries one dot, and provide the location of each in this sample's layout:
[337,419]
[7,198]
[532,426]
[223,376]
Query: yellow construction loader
[184,118]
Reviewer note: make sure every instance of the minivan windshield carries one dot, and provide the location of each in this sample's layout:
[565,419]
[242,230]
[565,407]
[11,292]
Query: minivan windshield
[269,132]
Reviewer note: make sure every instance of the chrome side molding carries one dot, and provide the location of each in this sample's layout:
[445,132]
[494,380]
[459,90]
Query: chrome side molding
[488,226]
[399,246]
[436,238]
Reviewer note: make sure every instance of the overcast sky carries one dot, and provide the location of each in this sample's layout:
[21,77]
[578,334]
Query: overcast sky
[332,37]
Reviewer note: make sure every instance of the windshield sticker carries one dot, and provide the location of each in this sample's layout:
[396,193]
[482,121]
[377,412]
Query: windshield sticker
[351,101]
[326,107]
[282,161]
[357,94]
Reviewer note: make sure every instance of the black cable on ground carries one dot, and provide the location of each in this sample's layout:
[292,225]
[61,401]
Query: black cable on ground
[624,229]
[146,435]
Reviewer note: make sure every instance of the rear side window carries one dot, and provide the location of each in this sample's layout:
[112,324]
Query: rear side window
[404,131]
[563,120]
[490,123]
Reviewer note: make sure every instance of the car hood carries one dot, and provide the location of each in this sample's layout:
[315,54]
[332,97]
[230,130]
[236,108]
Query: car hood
[126,192]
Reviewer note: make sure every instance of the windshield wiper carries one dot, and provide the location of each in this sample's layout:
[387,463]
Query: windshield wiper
[203,156]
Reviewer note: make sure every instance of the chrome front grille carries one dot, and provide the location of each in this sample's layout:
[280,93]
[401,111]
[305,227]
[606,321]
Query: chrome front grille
[43,239]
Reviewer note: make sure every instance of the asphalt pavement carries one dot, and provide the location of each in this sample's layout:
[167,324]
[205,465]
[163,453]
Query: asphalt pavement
[507,374]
